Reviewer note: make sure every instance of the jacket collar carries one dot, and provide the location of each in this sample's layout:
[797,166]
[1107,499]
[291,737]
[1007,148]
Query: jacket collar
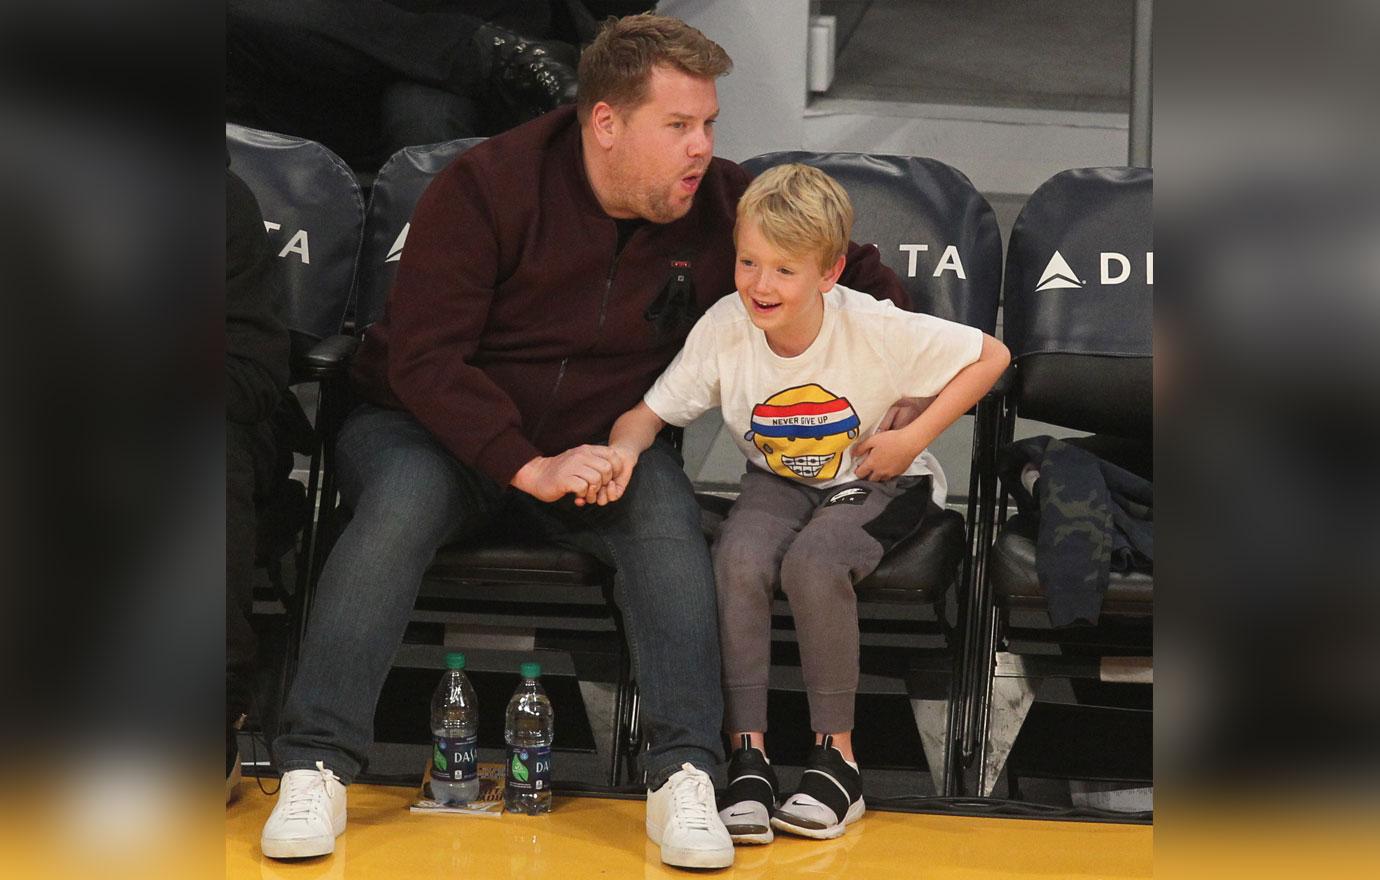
[572,150]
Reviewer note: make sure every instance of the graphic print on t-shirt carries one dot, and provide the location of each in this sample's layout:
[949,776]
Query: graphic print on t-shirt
[803,432]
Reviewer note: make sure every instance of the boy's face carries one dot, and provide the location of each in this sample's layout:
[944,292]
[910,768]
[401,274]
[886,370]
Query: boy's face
[783,293]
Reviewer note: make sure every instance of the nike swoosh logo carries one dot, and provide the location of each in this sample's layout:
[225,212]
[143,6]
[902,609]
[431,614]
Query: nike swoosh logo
[740,813]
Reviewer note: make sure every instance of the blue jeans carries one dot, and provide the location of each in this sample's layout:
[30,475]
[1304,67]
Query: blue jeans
[409,497]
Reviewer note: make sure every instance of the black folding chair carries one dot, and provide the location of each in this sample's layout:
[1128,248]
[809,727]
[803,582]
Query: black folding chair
[314,215]
[392,198]
[1078,314]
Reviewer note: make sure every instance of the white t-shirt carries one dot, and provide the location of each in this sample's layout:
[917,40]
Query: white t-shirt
[799,417]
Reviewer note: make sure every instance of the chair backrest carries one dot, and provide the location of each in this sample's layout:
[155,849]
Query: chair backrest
[934,230]
[398,186]
[314,213]
[1078,306]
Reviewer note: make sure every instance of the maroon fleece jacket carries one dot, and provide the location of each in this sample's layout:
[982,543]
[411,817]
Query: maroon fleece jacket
[514,329]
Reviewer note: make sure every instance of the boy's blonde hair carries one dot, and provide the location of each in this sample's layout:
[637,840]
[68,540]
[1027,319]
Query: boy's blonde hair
[617,66]
[801,211]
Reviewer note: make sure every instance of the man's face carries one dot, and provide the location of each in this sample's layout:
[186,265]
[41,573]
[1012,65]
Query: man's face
[662,148]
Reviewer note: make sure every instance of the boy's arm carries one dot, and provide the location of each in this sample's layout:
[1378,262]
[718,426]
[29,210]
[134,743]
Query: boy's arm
[889,453]
[632,434]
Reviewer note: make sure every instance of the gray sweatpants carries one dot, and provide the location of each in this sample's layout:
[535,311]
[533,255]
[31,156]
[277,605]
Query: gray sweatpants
[814,544]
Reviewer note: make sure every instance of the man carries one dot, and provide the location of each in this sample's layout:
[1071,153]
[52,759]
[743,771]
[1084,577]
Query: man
[551,274]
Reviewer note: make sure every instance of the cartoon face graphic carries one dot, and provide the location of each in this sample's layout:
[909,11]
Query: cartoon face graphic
[803,432]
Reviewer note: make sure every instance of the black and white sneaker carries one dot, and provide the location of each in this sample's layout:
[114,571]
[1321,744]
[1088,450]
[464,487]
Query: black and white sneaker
[829,798]
[751,796]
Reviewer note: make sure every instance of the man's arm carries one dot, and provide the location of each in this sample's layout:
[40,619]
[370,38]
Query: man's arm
[865,271]
[437,311]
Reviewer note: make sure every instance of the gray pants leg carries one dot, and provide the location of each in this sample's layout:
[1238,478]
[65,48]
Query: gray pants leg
[815,545]
[839,546]
[769,513]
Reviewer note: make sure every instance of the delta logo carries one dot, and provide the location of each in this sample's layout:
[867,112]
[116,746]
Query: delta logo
[395,252]
[299,242]
[1113,268]
[949,261]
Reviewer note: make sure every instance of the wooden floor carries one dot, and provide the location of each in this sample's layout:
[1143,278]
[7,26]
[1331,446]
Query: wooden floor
[593,837]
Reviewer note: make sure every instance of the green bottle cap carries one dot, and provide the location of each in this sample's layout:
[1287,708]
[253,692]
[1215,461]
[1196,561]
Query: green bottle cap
[455,660]
[530,670]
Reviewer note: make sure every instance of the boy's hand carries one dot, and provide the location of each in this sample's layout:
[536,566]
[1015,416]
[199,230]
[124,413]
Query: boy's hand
[883,456]
[622,474]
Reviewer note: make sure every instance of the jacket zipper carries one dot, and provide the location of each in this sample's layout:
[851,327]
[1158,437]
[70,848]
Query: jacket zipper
[598,335]
[608,290]
[551,400]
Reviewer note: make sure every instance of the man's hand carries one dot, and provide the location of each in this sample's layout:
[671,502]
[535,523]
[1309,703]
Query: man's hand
[582,471]
[902,413]
[884,455]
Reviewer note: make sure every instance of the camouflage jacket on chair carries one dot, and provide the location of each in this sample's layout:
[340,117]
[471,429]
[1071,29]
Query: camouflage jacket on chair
[1094,517]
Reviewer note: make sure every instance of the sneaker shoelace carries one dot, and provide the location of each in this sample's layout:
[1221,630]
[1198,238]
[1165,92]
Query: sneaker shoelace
[301,799]
[693,794]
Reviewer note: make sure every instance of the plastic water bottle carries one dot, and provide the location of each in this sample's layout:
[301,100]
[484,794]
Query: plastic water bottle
[528,729]
[455,726]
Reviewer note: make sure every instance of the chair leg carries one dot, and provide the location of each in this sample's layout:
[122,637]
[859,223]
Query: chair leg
[954,703]
[1013,693]
[977,645]
[620,711]
[953,733]
[932,720]
[320,508]
[633,744]
[980,698]
[967,592]
[934,695]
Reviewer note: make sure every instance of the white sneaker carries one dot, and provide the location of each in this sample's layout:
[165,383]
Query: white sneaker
[309,815]
[683,820]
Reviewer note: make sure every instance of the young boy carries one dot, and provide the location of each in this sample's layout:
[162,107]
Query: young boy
[804,371]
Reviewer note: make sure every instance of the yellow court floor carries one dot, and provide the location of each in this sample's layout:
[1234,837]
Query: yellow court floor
[597,837]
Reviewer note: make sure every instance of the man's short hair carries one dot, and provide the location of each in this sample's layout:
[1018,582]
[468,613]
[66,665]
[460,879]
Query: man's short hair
[617,66]
[801,211]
